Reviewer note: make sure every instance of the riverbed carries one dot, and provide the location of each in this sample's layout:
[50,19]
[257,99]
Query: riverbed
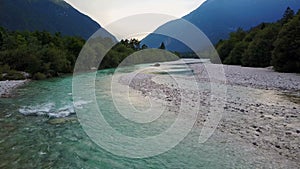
[259,126]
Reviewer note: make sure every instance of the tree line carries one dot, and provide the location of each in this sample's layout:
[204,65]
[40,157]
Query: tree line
[268,44]
[39,53]
[44,55]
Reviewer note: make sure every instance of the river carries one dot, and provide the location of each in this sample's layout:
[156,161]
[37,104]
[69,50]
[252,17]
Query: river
[32,135]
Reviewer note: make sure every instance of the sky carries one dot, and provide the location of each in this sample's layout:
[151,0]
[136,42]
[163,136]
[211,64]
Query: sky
[106,12]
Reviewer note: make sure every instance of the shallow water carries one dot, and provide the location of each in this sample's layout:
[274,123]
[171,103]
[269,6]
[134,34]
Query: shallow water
[35,141]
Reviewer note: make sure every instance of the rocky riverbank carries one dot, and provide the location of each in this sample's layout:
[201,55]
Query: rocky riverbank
[261,107]
[7,87]
[262,78]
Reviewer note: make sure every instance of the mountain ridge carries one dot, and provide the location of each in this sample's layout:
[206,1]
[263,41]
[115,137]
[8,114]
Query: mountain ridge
[46,15]
[218,18]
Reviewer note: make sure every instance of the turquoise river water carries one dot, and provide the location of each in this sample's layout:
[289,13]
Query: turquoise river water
[33,134]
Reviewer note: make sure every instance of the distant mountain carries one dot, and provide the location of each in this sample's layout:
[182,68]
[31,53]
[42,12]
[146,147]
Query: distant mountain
[49,15]
[217,18]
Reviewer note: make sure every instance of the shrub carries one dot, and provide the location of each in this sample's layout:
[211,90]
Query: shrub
[14,75]
[39,76]
[4,68]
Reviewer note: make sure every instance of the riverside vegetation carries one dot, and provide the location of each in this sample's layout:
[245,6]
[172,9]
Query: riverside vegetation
[39,53]
[44,55]
[268,44]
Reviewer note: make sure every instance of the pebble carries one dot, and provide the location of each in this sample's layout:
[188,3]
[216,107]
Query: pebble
[288,133]
[7,86]
[253,126]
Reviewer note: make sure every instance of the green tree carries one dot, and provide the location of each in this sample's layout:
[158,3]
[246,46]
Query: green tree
[224,47]
[286,54]
[135,44]
[162,46]
[57,59]
[236,54]
[132,43]
[73,46]
[288,15]
[259,51]
[144,46]
[1,39]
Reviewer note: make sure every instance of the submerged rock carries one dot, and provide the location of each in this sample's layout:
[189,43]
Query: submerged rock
[157,65]
[63,120]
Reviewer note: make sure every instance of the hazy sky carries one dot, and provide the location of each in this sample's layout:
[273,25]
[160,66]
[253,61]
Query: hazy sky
[108,11]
